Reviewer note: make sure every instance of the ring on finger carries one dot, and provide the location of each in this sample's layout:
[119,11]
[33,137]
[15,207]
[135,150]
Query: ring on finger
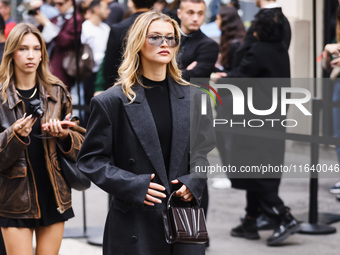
[27,130]
[20,126]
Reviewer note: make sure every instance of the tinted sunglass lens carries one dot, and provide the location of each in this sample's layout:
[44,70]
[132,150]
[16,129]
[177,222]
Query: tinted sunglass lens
[158,41]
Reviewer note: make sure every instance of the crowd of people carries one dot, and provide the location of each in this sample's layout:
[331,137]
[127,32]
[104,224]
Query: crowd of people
[138,146]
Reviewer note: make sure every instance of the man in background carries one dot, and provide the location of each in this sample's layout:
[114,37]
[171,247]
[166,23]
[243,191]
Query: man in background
[198,53]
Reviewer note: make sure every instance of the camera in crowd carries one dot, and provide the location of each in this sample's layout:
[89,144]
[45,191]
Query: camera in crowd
[34,109]
[33,12]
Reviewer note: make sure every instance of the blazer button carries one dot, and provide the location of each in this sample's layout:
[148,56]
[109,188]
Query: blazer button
[131,161]
[134,239]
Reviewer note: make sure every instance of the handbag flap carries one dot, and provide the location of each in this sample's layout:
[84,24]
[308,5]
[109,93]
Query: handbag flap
[189,224]
[184,224]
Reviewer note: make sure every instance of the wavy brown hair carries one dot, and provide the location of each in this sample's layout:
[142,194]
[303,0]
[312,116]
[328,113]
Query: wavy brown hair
[231,28]
[131,68]
[13,43]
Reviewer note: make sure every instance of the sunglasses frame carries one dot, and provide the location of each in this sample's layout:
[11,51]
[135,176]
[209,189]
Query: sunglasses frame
[164,38]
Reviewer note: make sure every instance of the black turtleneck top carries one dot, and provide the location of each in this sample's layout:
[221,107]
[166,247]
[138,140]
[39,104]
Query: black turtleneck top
[158,97]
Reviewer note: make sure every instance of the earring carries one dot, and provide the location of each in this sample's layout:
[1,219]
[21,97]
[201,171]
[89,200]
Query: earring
[40,59]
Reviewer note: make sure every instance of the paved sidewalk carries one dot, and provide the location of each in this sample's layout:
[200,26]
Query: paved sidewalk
[226,207]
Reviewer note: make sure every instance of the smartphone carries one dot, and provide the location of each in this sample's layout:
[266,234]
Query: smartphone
[64,124]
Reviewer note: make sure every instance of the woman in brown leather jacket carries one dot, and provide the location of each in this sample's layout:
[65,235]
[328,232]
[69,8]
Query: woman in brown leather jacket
[33,194]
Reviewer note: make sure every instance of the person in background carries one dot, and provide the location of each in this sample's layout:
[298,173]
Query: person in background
[198,53]
[115,44]
[41,6]
[331,63]
[215,5]
[36,198]
[5,11]
[48,10]
[59,34]
[138,142]
[232,36]
[159,5]
[250,38]
[95,33]
[116,12]
[163,6]
[266,58]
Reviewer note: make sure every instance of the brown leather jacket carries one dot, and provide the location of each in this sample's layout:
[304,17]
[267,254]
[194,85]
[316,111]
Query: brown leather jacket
[18,193]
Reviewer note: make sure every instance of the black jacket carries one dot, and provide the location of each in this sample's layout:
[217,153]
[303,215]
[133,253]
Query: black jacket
[197,47]
[120,152]
[250,39]
[263,60]
[114,49]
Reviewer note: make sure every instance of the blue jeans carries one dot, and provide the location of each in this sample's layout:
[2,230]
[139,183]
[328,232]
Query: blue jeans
[336,115]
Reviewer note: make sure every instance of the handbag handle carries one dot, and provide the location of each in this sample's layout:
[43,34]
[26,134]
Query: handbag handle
[168,205]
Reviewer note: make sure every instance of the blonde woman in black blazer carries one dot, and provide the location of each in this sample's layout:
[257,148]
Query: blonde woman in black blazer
[138,145]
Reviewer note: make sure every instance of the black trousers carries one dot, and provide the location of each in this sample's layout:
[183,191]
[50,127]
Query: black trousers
[265,202]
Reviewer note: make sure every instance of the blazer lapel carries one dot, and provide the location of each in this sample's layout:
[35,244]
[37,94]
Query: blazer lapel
[180,108]
[142,122]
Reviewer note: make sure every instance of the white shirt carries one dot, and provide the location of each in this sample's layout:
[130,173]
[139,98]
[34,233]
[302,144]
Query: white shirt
[272,5]
[96,37]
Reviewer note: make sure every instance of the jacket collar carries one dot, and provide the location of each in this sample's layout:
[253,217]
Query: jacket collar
[141,119]
[13,98]
[174,88]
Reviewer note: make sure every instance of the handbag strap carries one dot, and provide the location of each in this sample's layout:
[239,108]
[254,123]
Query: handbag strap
[168,204]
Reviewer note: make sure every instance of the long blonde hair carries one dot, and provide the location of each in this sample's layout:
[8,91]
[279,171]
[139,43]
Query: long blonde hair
[131,68]
[13,42]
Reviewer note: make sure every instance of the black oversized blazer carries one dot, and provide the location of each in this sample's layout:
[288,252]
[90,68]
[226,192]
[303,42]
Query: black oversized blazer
[120,152]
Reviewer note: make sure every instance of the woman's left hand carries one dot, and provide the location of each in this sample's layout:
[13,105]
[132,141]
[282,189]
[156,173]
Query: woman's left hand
[54,128]
[335,62]
[184,193]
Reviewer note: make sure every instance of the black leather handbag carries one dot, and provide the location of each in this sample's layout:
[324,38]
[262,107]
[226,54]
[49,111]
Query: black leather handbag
[72,175]
[86,62]
[184,224]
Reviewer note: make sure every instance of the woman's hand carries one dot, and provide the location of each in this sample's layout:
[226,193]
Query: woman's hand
[152,194]
[215,76]
[335,62]
[55,129]
[184,193]
[23,126]
[333,48]
[192,66]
